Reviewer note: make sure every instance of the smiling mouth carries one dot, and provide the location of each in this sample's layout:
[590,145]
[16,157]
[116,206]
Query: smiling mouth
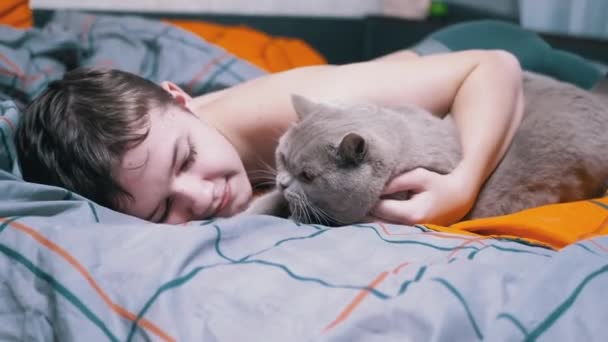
[225,199]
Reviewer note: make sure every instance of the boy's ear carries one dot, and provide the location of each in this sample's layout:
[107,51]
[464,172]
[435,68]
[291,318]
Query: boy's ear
[178,93]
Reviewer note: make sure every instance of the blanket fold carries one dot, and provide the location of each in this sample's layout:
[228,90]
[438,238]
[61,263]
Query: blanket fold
[554,225]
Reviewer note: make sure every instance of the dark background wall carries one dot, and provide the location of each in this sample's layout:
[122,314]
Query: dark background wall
[343,40]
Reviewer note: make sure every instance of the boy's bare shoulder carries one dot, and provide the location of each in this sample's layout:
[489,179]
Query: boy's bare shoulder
[250,116]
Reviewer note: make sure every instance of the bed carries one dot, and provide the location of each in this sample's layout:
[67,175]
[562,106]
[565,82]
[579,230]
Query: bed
[71,270]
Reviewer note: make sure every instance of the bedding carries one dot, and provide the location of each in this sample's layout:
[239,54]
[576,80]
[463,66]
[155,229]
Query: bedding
[71,270]
[16,13]
[268,52]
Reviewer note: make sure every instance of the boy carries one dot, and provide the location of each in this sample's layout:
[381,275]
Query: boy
[158,154]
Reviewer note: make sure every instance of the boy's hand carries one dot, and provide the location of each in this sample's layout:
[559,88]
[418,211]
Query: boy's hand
[437,199]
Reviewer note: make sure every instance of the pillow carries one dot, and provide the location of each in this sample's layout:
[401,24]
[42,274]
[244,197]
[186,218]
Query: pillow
[268,52]
[16,13]
[9,117]
[532,51]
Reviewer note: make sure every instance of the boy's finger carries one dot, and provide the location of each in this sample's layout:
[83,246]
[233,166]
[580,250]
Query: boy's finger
[402,212]
[414,180]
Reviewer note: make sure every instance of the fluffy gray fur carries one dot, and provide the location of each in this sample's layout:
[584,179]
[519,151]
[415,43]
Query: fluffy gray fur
[334,163]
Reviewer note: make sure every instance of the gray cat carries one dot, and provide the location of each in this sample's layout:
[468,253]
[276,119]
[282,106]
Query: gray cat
[334,163]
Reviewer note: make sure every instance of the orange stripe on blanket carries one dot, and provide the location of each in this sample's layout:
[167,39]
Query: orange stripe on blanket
[16,69]
[86,25]
[363,294]
[467,242]
[8,123]
[358,299]
[389,233]
[451,233]
[598,245]
[25,79]
[444,235]
[400,267]
[143,323]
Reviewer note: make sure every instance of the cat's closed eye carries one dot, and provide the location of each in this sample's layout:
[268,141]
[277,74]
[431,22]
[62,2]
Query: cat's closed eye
[306,176]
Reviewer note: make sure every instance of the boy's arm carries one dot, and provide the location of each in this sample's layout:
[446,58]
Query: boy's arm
[482,89]
[488,108]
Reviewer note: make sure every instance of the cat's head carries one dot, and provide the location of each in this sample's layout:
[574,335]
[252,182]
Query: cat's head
[331,168]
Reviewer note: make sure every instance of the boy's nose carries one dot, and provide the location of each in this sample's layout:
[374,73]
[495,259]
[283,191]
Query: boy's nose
[194,195]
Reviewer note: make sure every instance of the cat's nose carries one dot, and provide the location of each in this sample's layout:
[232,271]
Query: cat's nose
[283,184]
[283,181]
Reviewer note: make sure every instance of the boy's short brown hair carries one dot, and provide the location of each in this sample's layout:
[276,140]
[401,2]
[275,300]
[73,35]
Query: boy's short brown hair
[77,131]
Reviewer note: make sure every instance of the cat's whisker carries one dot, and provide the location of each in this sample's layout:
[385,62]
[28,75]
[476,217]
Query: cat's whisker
[331,219]
[316,214]
[314,211]
[263,162]
[262,178]
[263,172]
[304,209]
[296,209]
[269,167]
[303,217]
[267,180]
[310,215]
[266,176]
[262,175]
[325,217]
[319,214]
[263,184]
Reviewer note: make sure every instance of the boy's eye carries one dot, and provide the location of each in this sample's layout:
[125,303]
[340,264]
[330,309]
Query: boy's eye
[190,159]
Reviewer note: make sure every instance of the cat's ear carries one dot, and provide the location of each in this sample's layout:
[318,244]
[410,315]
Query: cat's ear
[352,149]
[303,106]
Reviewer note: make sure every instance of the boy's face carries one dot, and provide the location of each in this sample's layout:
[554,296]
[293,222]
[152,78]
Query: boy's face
[184,170]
